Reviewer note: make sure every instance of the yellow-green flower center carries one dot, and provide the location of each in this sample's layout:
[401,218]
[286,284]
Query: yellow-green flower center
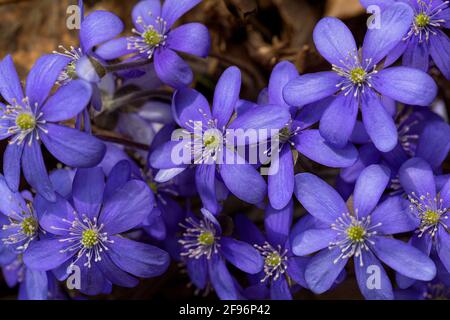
[431,217]
[358,75]
[356,233]
[71,70]
[26,121]
[29,226]
[89,238]
[206,238]
[152,37]
[211,140]
[422,20]
[273,259]
[153,187]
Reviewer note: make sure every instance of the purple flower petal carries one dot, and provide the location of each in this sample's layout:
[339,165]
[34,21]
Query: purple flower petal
[67,102]
[72,147]
[445,194]
[242,255]
[11,164]
[127,208]
[221,279]
[381,290]
[190,106]
[198,271]
[311,113]
[398,220]
[281,182]
[115,274]
[281,75]
[395,53]
[237,177]
[319,198]
[443,247]
[147,11]
[440,51]
[395,21]
[296,269]
[192,38]
[338,120]
[88,187]
[139,259]
[42,77]
[369,188]
[417,177]
[36,284]
[407,85]
[334,41]
[268,118]
[379,124]
[312,240]
[205,177]
[98,27]
[226,95]
[248,231]
[310,88]
[311,144]
[279,289]
[54,215]
[114,49]
[174,9]
[10,88]
[12,202]
[47,254]
[172,69]
[404,258]
[323,270]
[368,155]
[417,55]
[278,223]
[34,170]
[434,143]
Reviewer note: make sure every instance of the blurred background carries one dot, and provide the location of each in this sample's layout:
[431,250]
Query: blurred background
[251,34]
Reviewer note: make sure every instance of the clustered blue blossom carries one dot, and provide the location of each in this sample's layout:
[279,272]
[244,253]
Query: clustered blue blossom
[112,212]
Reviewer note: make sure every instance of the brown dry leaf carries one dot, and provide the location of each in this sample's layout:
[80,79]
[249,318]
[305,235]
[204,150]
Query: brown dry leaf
[343,9]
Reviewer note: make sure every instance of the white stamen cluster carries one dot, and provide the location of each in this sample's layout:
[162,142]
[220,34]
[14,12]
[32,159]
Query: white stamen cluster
[27,226]
[151,37]
[86,238]
[425,20]
[199,239]
[207,140]
[21,121]
[430,211]
[357,75]
[275,261]
[353,235]
[69,72]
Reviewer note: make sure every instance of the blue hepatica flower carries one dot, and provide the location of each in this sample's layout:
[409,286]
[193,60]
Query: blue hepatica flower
[216,163]
[426,36]
[95,29]
[361,230]
[358,81]
[154,39]
[206,251]
[88,234]
[422,134]
[33,285]
[280,265]
[430,208]
[296,134]
[28,119]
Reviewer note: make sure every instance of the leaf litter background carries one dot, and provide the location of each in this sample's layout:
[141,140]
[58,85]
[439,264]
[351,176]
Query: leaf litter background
[251,34]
